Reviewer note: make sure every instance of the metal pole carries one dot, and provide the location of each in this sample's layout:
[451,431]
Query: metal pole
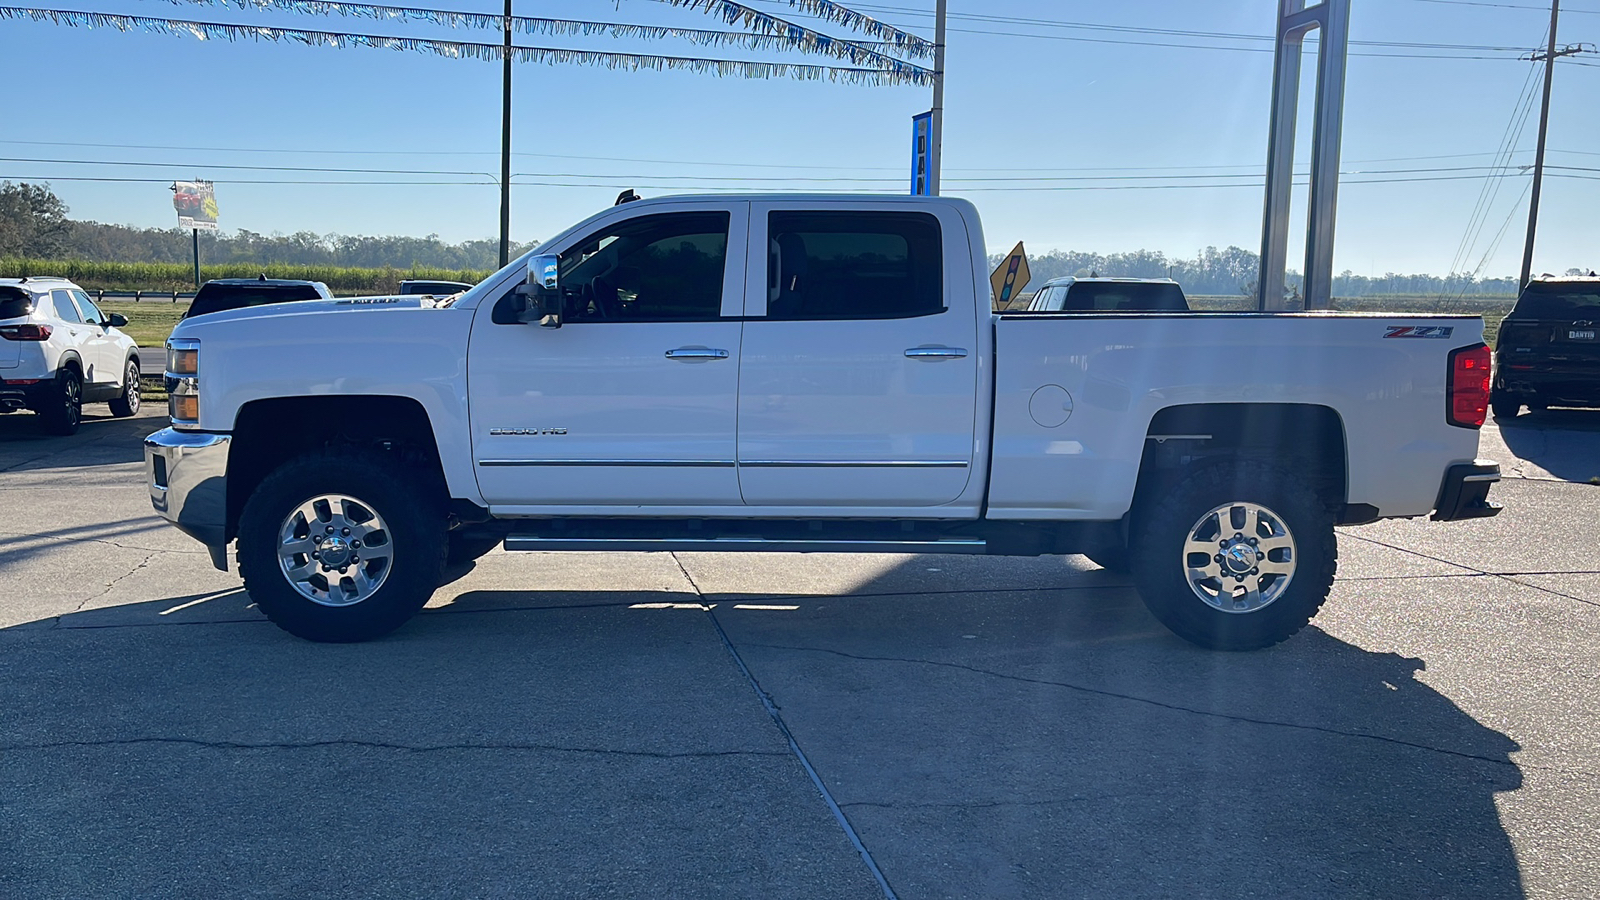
[936,125]
[505,147]
[1331,58]
[1538,159]
[197,259]
[1280,162]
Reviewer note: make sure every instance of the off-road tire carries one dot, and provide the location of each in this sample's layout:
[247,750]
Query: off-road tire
[1504,406]
[62,409]
[1161,575]
[415,525]
[127,403]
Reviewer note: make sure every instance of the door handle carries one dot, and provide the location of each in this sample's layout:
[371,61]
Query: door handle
[936,353]
[689,353]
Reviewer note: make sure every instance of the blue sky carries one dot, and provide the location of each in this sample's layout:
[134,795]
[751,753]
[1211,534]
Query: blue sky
[1038,100]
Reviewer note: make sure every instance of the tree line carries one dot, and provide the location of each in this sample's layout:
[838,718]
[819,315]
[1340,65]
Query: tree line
[34,225]
[1234,271]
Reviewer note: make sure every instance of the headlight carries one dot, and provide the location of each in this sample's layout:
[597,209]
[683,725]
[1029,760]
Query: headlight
[183,382]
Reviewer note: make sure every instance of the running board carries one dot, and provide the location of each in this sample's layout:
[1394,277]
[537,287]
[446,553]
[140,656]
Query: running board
[747,545]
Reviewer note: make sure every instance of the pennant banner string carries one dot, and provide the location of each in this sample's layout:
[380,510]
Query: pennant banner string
[737,13]
[901,73]
[780,35]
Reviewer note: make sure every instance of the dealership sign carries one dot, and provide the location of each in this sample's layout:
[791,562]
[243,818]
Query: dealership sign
[196,202]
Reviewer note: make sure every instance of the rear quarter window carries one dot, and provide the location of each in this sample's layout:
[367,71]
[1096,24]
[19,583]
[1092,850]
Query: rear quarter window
[15,304]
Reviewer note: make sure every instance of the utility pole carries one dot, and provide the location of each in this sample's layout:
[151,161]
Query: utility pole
[1549,58]
[505,148]
[936,126]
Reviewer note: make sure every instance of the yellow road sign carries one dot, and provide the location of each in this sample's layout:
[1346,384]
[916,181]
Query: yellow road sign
[1009,279]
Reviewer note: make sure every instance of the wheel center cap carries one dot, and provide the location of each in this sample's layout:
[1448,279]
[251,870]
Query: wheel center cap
[335,551]
[1240,558]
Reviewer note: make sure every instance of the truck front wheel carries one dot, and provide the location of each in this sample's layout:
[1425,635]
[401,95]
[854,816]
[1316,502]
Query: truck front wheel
[339,545]
[1238,556]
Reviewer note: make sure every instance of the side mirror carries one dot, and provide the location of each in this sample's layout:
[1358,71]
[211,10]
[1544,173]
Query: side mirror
[544,291]
[116,320]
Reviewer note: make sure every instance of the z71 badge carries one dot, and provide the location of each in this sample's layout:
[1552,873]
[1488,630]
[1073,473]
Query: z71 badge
[1419,331]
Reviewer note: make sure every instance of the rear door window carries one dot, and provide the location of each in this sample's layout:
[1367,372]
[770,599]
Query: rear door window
[853,265]
[65,310]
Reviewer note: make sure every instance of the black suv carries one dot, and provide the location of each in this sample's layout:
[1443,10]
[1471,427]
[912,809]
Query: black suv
[236,293]
[1548,353]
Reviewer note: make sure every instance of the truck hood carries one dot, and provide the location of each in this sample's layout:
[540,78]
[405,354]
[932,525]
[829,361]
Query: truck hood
[337,306]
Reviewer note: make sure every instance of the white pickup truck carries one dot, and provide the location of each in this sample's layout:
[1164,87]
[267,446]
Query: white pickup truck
[812,374]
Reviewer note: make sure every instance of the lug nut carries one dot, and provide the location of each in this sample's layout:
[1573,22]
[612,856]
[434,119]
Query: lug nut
[1254,542]
[343,569]
[346,531]
[316,554]
[354,558]
[1217,558]
[355,545]
[330,529]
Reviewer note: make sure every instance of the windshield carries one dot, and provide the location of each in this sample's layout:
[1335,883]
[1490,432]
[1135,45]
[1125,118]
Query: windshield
[1558,301]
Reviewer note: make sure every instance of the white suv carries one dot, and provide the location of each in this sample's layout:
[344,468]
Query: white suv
[58,351]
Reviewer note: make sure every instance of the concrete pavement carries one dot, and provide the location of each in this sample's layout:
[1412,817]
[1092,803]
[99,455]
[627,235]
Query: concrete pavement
[704,725]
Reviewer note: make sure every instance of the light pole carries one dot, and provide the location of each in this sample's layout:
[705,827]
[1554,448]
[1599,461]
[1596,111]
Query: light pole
[1544,125]
[505,148]
[936,124]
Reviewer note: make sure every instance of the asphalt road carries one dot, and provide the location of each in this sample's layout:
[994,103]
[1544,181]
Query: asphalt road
[651,725]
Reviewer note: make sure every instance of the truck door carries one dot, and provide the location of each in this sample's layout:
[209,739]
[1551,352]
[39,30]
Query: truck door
[632,401]
[858,378]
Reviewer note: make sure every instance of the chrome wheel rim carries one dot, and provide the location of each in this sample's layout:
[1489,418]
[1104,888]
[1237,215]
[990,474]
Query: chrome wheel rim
[1239,557]
[335,550]
[132,389]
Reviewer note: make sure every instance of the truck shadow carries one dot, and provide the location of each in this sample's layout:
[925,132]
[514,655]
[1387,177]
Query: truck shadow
[1027,743]
[1563,442]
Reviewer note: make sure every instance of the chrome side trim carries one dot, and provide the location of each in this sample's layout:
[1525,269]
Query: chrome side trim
[1491,477]
[747,544]
[656,463]
[853,464]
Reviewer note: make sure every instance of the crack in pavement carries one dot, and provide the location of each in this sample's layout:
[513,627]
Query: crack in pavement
[799,755]
[1178,707]
[383,745]
[1506,576]
[112,584]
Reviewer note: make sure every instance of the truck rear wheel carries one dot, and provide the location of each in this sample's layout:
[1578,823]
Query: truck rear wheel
[1238,556]
[338,545]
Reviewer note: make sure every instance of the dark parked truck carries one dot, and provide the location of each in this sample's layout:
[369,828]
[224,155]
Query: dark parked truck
[1548,353]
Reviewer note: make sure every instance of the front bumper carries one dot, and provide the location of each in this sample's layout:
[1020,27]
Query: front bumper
[187,473]
[1464,494]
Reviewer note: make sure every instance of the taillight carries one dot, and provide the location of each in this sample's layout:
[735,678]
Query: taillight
[25,332]
[1468,402]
